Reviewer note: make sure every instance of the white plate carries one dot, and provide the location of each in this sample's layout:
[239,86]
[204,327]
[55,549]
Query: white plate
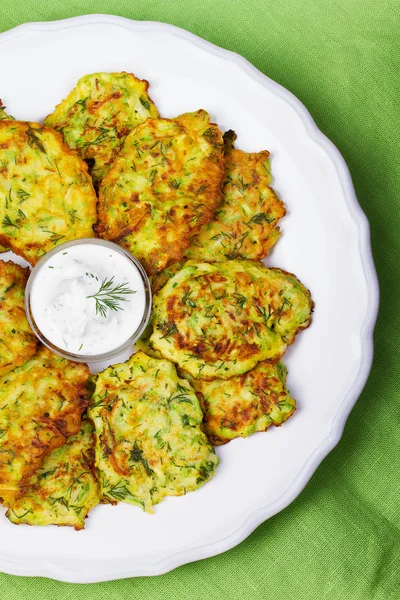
[325,242]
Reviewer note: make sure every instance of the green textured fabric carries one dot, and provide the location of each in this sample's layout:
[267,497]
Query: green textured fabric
[340,539]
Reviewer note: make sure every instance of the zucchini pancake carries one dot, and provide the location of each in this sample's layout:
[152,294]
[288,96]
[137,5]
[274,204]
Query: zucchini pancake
[149,440]
[242,405]
[17,341]
[46,194]
[41,404]
[218,320]
[162,188]
[64,489]
[245,223]
[98,114]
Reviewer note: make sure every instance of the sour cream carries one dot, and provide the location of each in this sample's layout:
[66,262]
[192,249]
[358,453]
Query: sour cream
[88,297]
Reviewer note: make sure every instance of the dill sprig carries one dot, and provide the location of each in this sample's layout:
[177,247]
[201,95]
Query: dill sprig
[109,296]
[33,139]
[7,222]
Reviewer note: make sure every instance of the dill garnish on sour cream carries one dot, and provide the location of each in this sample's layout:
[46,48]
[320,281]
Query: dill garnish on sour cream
[87,298]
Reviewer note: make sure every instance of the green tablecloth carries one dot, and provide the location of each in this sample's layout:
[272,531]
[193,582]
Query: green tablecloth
[340,539]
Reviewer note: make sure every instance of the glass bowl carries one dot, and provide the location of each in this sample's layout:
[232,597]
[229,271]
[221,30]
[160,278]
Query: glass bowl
[88,358]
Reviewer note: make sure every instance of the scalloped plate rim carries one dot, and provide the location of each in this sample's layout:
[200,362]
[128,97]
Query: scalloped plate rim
[258,516]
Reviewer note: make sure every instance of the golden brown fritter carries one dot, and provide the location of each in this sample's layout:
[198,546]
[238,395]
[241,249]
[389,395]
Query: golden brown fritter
[17,341]
[46,194]
[242,405]
[162,188]
[245,223]
[219,320]
[98,114]
[41,404]
[64,488]
[149,441]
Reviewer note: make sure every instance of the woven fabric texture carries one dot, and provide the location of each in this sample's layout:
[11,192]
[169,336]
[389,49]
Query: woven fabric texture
[340,539]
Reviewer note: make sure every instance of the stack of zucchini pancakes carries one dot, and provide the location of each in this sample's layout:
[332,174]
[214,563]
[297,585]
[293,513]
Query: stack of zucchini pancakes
[200,215]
